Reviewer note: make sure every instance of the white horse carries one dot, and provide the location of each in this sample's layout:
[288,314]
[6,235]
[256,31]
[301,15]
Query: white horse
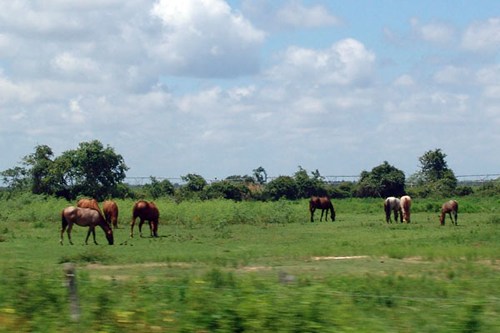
[392,204]
[405,207]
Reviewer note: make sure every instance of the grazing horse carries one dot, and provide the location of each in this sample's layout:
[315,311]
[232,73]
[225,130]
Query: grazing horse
[450,207]
[110,210]
[89,203]
[145,211]
[392,204]
[84,217]
[324,204]
[405,203]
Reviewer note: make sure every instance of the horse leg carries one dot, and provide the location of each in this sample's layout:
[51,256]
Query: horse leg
[88,235]
[321,218]
[70,227]
[456,217]
[132,227]
[63,228]
[141,222]
[312,213]
[93,235]
[151,228]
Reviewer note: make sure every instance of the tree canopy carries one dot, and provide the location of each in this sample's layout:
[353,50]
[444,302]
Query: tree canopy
[90,170]
[383,181]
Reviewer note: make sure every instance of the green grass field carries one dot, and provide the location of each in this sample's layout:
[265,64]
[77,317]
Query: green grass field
[220,266]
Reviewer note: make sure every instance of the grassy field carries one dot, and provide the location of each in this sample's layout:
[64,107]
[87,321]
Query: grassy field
[220,266]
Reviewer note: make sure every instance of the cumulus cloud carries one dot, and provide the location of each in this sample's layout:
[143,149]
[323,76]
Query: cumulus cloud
[346,62]
[434,32]
[293,14]
[482,36]
[206,39]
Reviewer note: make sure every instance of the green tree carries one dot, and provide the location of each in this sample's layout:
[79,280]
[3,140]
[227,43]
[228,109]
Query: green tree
[90,170]
[383,181]
[308,186]
[434,175]
[282,187]
[226,189]
[158,189]
[433,166]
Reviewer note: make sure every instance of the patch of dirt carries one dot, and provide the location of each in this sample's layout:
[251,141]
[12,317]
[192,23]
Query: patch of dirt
[339,258]
[145,265]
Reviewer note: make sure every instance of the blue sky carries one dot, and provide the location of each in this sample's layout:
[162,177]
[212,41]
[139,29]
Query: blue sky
[219,88]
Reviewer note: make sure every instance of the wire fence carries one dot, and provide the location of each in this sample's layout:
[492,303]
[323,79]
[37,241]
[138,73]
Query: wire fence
[470,179]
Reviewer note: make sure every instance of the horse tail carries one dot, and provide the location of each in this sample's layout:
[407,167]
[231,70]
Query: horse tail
[332,211]
[387,209]
[64,222]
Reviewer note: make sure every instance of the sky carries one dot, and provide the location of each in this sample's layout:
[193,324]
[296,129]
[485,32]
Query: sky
[220,88]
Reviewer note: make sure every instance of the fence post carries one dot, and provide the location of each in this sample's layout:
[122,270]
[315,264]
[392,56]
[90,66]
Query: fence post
[69,271]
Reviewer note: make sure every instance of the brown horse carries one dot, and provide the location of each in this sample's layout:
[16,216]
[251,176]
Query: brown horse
[324,204]
[110,210]
[450,208]
[89,203]
[405,203]
[145,211]
[392,204]
[84,217]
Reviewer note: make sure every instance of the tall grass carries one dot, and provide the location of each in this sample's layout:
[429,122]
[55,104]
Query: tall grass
[255,266]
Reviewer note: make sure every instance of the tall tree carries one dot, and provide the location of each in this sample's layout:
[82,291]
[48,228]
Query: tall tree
[90,170]
[383,181]
[435,174]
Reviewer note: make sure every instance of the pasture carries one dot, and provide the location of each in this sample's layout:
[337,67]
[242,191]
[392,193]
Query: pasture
[255,267]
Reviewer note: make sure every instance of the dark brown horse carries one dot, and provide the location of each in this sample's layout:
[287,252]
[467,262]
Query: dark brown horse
[84,217]
[110,210]
[450,208]
[145,211]
[324,204]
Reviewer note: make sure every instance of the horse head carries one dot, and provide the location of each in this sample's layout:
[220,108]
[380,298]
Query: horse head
[109,236]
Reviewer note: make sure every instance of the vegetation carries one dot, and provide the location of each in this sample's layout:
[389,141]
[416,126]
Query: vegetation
[227,266]
[91,170]
[95,171]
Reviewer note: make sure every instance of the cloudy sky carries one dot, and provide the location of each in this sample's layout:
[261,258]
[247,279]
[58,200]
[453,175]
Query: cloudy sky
[219,87]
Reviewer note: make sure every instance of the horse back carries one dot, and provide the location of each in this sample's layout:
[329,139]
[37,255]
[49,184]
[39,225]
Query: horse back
[145,210]
[110,208]
[81,216]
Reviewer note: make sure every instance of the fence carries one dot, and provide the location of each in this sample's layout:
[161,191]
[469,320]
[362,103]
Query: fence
[476,179]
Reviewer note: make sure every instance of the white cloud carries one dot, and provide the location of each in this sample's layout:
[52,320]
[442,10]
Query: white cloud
[70,64]
[274,15]
[453,75]
[295,14]
[482,36]
[206,39]
[434,32]
[346,62]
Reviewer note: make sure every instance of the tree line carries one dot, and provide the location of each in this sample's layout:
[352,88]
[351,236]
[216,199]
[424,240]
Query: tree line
[93,170]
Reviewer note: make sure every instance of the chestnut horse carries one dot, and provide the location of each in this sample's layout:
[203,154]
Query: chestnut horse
[324,204]
[392,204]
[110,210]
[405,203]
[84,217]
[450,208]
[145,211]
[89,203]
